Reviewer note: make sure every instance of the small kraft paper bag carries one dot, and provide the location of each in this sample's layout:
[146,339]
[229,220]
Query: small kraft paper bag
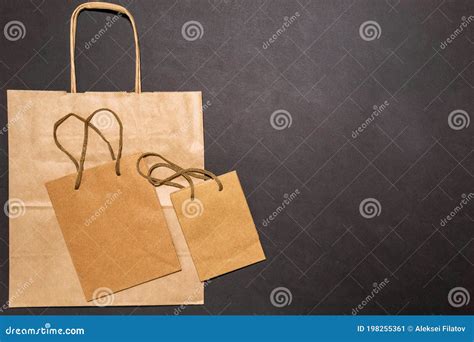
[214,216]
[111,221]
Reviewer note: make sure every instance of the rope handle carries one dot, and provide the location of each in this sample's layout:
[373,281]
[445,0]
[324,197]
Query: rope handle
[88,124]
[179,172]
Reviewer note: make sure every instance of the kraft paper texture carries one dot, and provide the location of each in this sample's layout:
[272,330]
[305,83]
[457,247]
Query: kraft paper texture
[114,228]
[40,264]
[218,226]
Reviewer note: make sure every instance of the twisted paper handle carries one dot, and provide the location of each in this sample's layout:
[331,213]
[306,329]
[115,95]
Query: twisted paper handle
[88,124]
[179,172]
[72,38]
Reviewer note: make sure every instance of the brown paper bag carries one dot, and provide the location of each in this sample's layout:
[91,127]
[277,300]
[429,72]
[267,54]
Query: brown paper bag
[113,225]
[40,267]
[215,219]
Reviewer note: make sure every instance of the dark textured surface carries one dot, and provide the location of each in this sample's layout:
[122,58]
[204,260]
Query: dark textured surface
[320,70]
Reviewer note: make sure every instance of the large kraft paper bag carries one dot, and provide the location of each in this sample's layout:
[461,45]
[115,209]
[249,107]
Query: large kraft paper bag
[41,269]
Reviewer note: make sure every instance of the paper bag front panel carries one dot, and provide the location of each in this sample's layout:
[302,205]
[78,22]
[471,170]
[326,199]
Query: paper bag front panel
[114,228]
[218,227]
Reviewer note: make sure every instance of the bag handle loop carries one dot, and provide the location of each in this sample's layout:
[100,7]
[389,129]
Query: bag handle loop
[91,125]
[88,124]
[72,37]
[179,172]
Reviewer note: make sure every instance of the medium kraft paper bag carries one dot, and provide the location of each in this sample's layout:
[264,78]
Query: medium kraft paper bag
[41,272]
[214,216]
[111,221]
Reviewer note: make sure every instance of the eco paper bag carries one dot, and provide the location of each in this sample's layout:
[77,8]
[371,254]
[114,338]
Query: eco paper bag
[40,266]
[112,223]
[215,219]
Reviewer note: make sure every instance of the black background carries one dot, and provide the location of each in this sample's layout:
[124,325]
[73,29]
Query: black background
[321,72]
